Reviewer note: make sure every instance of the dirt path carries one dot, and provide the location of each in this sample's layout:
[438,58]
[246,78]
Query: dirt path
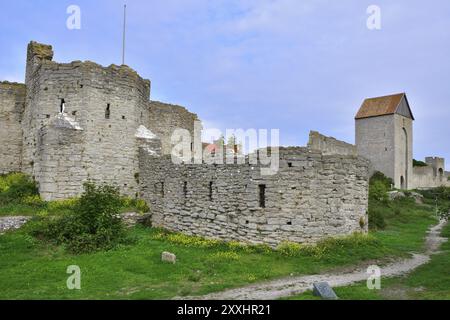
[296,285]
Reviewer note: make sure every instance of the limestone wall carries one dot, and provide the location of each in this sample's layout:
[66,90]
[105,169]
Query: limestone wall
[61,165]
[12,104]
[375,141]
[312,197]
[330,145]
[165,118]
[431,176]
[108,103]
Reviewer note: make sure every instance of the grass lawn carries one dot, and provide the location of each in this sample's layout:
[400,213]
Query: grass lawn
[430,281]
[31,269]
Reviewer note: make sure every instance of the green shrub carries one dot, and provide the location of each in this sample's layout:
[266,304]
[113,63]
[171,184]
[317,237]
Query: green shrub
[15,187]
[138,205]
[93,225]
[376,219]
[380,177]
[378,192]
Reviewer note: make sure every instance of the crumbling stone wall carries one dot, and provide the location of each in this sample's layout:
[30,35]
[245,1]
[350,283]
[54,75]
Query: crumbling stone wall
[330,145]
[313,196]
[62,163]
[165,118]
[94,118]
[12,104]
[108,103]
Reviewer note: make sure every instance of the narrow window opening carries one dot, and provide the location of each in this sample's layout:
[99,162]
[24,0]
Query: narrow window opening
[108,111]
[62,106]
[290,164]
[162,189]
[185,189]
[262,195]
[289,223]
[211,191]
[123,118]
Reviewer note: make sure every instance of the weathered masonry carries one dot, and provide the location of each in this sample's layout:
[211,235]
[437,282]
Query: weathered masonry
[12,104]
[384,135]
[313,196]
[79,121]
[71,122]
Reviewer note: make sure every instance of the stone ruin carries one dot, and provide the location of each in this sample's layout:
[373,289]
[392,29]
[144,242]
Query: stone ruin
[74,122]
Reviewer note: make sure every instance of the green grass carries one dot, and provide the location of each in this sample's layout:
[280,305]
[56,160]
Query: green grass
[428,282]
[32,269]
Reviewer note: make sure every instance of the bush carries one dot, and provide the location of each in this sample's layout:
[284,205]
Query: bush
[376,219]
[378,192]
[380,177]
[93,225]
[15,187]
[138,205]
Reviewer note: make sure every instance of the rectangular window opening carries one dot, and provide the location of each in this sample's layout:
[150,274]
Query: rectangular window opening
[108,111]
[62,106]
[262,195]
[211,191]
[185,189]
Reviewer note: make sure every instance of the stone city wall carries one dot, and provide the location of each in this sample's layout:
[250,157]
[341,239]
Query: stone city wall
[12,104]
[312,197]
[330,145]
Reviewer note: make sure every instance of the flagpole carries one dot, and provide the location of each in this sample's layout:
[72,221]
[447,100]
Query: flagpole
[124,32]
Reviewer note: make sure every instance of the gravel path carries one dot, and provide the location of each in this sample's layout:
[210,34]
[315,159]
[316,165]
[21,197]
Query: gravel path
[12,223]
[296,285]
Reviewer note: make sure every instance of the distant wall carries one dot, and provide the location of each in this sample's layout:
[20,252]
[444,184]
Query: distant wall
[312,197]
[12,104]
[165,118]
[431,176]
[330,145]
[375,141]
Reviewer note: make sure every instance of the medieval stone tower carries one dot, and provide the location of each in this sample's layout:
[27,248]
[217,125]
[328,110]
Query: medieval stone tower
[79,121]
[384,134]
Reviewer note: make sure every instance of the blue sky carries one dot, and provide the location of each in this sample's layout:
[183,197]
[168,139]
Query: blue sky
[287,64]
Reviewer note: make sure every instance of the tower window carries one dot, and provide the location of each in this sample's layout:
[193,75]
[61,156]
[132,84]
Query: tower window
[62,106]
[185,189]
[210,191]
[262,195]
[108,111]
[162,190]
[290,164]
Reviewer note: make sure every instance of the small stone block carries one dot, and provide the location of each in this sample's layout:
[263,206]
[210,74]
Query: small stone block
[324,291]
[169,257]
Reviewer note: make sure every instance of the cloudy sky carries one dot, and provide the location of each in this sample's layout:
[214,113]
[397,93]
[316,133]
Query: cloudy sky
[292,65]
